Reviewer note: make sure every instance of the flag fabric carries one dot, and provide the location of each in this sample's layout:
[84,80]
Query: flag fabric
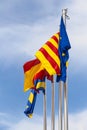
[31,104]
[30,69]
[39,80]
[39,85]
[64,46]
[51,59]
[49,56]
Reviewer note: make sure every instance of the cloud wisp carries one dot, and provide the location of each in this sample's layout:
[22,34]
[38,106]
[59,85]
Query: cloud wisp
[76,121]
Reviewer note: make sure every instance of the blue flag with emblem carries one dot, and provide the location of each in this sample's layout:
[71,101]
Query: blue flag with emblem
[64,46]
[31,103]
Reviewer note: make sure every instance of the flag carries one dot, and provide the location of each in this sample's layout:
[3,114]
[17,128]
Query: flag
[64,46]
[39,79]
[31,103]
[39,85]
[49,56]
[30,69]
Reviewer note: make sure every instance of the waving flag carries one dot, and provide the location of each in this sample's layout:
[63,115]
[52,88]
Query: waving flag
[49,56]
[64,46]
[39,79]
[31,103]
[30,69]
[39,85]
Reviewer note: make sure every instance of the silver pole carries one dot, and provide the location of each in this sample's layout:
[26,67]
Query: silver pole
[44,112]
[64,13]
[53,108]
[65,106]
[60,106]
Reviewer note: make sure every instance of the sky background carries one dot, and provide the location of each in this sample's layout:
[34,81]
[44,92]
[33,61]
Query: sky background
[24,27]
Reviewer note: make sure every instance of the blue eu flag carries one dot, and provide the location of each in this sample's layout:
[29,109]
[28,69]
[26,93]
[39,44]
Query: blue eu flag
[64,46]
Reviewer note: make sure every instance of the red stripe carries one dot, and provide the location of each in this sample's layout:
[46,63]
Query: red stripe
[53,48]
[43,73]
[55,39]
[40,75]
[49,77]
[35,89]
[51,60]
[28,65]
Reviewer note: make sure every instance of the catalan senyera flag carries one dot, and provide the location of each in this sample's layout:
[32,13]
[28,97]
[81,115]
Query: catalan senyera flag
[49,56]
[64,46]
[30,69]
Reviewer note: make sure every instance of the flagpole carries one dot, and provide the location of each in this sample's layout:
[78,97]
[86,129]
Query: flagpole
[65,106]
[60,105]
[65,86]
[44,112]
[53,107]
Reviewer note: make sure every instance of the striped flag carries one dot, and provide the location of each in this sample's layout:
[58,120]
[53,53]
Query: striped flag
[40,85]
[30,69]
[39,79]
[49,56]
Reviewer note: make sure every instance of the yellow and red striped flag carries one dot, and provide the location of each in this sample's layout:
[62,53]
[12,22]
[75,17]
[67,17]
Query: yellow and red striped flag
[49,56]
[30,69]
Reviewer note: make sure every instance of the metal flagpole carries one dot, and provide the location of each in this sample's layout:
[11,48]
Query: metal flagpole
[44,112]
[61,87]
[64,13]
[65,106]
[52,107]
[60,105]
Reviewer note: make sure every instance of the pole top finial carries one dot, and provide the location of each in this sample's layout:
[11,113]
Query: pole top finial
[64,13]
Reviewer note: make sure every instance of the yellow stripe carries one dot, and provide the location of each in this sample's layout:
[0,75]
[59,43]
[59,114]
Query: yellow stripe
[45,63]
[57,36]
[31,97]
[41,68]
[41,84]
[30,115]
[53,42]
[28,77]
[67,63]
[52,54]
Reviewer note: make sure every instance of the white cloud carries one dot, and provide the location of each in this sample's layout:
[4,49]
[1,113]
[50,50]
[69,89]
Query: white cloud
[4,120]
[80,6]
[22,39]
[16,40]
[76,28]
[76,121]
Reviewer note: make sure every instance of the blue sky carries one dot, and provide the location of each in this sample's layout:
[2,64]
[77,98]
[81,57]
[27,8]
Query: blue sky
[24,27]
